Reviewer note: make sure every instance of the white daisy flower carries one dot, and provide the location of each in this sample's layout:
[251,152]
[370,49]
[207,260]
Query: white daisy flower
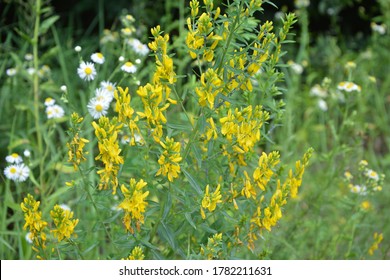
[108,86]
[105,95]
[54,112]
[372,174]
[358,189]
[348,86]
[129,67]
[11,72]
[17,172]
[97,107]
[87,71]
[138,47]
[98,58]
[49,101]
[14,158]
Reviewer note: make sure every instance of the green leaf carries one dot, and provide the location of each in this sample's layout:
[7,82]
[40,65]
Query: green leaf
[167,234]
[189,219]
[194,184]
[47,23]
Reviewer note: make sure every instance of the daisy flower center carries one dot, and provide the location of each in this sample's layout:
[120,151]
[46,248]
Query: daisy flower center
[99,55]
[15,155]
[129,64]
[88,71]
[13,170]
[99,108]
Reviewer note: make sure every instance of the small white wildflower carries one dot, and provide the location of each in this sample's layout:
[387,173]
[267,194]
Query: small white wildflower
[28,237]
[121,58]
[17,172]
[108,86]
[97,107]
[77,49]
[87,71]
[54,112]
[98,58]
[317,90]
[65,207]
[105,95]
[129,67]
[30,71]
[138,47]
[28,56]
[358,189]
[14,158]
[372,174]
[63,88]
[348,86]
[11,72]
[27,153]
[322,105]
[297,68]
[49,101]
[127,31]
[378,28]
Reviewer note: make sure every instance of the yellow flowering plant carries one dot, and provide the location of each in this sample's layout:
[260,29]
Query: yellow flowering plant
[182,165]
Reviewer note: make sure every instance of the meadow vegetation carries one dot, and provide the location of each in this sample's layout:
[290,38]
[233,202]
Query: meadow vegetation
[217,133]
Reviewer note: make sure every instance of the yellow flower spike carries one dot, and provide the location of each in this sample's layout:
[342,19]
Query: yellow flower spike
[134,204]
[377,240]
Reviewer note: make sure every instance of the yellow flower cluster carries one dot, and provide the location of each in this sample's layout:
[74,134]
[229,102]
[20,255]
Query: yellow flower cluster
[34,223]
[169,160]
[210,201]
[213,249]
[241,64]
[106,132]
[134,204]
[201,39]
[375,245]
[64,223]
[126,113]
[155,96]
[136,254]
[242,130]
[76,146]
[269,216]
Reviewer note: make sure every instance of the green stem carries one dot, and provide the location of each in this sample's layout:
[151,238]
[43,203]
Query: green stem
[228,41]
[35,45]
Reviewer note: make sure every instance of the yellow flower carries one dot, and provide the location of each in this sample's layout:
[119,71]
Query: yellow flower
[134,204]
[169,160]
[63,221]
[375,245]
[36,226]
[76,150]
[136,254]
[109,152]
[210,201]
